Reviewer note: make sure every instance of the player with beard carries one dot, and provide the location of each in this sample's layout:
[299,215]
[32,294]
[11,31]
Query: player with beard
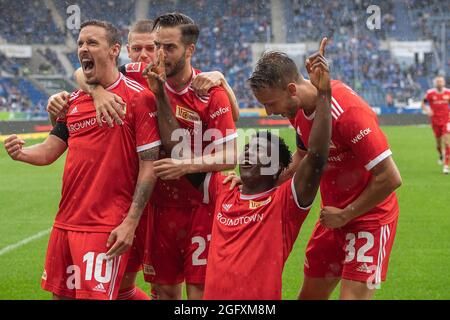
[353,238]
[254,230]
[182,224]
[141,49]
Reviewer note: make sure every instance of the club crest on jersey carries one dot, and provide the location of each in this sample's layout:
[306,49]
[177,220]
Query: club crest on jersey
[257,204]
[226,206]
[186,114]
[133,67]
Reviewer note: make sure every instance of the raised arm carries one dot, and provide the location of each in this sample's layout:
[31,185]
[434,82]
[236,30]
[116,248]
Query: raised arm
[40,154]
[309,172]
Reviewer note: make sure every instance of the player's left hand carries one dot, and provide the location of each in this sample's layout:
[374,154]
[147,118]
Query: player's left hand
[121,238]
[156,74]
[331,217]
[206,80]
[317,67]
[170,169]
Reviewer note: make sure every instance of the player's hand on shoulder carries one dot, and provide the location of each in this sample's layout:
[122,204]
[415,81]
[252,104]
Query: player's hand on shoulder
[109,107]
[204,81]
[156,74]
[58,103]
[13,146]
[318,70]
[233,179]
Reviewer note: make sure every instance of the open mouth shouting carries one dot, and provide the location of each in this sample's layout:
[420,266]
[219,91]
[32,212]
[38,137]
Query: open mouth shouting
[88,65]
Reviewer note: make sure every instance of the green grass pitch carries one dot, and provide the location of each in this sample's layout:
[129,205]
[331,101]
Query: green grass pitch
[419,262]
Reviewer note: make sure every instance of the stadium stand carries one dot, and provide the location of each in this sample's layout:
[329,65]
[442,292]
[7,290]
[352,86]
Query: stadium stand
[228,30]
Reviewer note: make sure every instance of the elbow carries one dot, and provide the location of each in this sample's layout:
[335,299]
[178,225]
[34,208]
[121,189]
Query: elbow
[396,182]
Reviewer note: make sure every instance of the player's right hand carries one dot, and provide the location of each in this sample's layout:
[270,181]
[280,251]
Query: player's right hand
[317,67]
[156,74]
[58,103]
[108,106]
[13,146]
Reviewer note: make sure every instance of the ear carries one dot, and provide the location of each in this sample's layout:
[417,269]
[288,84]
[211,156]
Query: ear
[190,50]
[115,50]
[292,89]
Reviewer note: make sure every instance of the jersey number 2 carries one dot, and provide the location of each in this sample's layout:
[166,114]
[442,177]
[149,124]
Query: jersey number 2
[201,248]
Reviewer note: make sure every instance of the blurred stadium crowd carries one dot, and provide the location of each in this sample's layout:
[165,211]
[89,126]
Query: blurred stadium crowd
[228,28]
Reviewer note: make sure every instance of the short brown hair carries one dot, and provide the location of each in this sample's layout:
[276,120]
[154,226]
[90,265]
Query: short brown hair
[112,33]
[273,70]
[189,30]
[141,26]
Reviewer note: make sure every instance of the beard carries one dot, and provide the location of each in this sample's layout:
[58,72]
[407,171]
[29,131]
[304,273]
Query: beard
[178,66]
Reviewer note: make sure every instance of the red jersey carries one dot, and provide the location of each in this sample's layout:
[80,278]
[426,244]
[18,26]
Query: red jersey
[357,145]
[209,120]
[102,163]
[251,239]
[439,104]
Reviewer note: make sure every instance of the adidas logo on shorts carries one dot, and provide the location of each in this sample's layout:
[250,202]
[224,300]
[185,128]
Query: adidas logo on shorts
[149,270]
[99,288]
[364,268]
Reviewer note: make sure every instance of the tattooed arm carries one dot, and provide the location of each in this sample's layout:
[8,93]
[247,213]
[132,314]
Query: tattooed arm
[122,237]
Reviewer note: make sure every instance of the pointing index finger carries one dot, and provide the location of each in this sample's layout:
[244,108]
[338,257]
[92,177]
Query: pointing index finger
[323,44]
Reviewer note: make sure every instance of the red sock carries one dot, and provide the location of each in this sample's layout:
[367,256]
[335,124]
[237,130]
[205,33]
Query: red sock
[133,293]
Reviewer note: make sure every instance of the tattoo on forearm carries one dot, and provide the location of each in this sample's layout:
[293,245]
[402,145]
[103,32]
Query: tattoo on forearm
[140,198]
[150,154]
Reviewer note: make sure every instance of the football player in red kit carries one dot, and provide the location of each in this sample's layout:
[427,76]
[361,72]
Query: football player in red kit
[141,50]
[438,100]
[102,164]
[254,229]
[353,239]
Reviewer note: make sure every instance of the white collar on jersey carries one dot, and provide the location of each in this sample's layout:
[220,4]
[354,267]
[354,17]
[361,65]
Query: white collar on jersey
[185,89]
[115,84]
[254,196]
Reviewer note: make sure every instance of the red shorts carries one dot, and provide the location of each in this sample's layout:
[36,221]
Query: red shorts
[180,245]
[358,253]
[76,266]
[136,257]
[440,129]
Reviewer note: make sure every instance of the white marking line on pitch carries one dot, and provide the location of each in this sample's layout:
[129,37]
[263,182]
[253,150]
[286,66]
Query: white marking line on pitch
[24,241]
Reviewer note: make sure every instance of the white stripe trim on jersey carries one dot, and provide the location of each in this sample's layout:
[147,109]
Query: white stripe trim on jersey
[378,159]
[116,261]
[115,84]
[135,86]
[337,105]
[148,146]
[333,114]
[254,196]
[294,194]
[225,139]
[185,89]
[206,183]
